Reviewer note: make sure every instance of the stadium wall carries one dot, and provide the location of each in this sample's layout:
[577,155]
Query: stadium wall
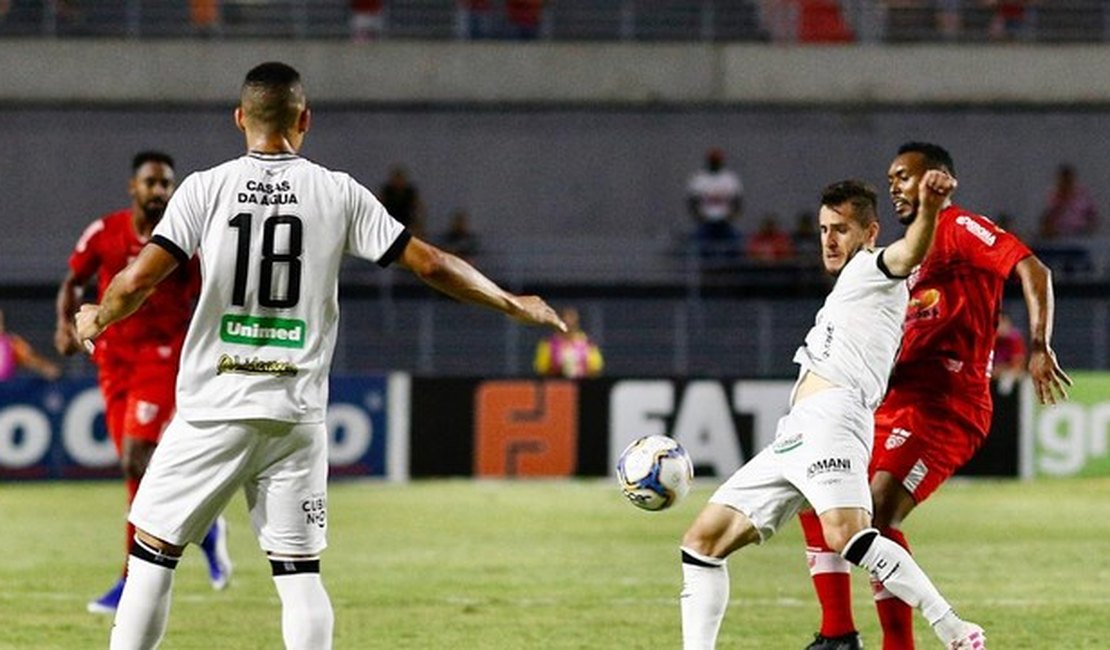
[191,72]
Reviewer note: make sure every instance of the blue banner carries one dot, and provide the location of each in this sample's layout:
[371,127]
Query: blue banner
[56,430]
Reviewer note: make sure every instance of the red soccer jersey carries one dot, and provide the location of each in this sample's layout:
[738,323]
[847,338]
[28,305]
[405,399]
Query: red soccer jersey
[955,299]
[156,331]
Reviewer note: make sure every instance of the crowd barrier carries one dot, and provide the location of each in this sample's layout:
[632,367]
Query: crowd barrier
[395,426]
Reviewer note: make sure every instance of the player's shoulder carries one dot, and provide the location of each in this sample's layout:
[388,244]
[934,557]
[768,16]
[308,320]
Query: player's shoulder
[979,226]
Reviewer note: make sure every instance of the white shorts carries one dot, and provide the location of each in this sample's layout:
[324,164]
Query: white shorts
[820,454]
[282,468]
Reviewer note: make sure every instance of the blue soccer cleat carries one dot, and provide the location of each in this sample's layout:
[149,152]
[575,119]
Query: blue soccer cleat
[107,603]
[215,551]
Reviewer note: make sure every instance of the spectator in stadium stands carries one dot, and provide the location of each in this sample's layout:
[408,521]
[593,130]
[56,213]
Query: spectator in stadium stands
[402,200]
[715,198]
[770,244]
[1009,354]
[1070,210]
[805,238]
[367,20]
[524,17]
[476,17]
[821,21]
[205,16]
[460,238]
[949,20]
[572,354]
[16,353]
[1007,20]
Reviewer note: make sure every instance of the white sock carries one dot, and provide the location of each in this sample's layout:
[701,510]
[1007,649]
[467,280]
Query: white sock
[144,606]
[826,562]
[306,615]
[949,628]
[897,571]
[705,588]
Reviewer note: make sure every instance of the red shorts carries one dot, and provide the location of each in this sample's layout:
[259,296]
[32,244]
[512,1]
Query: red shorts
[138,400]
[922,441]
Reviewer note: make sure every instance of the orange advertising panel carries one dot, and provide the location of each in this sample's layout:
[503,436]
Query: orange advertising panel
[525,428]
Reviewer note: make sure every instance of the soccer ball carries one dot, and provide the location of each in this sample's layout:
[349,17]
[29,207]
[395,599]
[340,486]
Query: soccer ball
[654,472]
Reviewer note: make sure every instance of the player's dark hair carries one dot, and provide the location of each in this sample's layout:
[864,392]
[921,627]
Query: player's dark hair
[143,157]
[861,196]
[936,156]
[272,95]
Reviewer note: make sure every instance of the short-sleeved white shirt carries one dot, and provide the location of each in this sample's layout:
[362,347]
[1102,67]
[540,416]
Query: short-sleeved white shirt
[715,192]
[271,231]
[857,332]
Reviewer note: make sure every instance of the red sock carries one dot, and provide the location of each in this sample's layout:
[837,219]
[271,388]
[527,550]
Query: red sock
[832,579]
[895,616]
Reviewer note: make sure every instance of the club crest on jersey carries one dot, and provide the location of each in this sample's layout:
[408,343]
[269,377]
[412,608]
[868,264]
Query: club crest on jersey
[898,437]
[257,330]
[145,412]
[254,366]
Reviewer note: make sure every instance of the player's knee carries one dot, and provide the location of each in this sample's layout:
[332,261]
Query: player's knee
[837,537]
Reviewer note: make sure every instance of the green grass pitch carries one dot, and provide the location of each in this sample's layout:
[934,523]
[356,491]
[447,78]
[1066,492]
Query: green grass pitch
[556,565]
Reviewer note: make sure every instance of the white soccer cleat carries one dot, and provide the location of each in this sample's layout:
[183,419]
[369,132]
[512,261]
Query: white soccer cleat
[971,638]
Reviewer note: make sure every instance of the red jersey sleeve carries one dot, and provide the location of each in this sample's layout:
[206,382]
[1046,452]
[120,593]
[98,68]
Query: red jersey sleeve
[84,261]
[987,246]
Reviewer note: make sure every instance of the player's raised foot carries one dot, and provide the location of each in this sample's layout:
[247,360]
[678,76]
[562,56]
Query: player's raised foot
[843,642]
[971,637]
[107,603]
[215,551]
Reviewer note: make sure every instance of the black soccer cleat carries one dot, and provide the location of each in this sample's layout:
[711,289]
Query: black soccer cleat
[845,642]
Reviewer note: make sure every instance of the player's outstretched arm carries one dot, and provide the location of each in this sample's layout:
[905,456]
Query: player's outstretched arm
[903,255]
[126,292]
[453,276]
[1049,379]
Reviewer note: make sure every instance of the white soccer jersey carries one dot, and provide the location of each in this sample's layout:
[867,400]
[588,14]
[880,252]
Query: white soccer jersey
[271,230]
[858,330]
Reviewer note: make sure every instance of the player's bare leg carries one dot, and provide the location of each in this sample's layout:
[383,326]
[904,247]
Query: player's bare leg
[307,618]
[144,606]
[716,532]
[893,503]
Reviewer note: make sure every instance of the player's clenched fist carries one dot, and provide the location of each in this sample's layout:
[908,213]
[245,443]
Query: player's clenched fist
[87,329]
[936,185]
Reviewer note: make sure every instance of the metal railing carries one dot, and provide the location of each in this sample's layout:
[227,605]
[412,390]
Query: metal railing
[574,20]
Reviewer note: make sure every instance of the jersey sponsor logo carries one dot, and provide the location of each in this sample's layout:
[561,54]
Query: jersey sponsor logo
[915,476]
[924,305]
[826,465]
[981,232]
[268,194]
[255,330]
[898,437]
[255,366]
[784,444]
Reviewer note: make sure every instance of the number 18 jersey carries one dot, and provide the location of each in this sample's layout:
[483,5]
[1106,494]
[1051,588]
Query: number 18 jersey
[271,231]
